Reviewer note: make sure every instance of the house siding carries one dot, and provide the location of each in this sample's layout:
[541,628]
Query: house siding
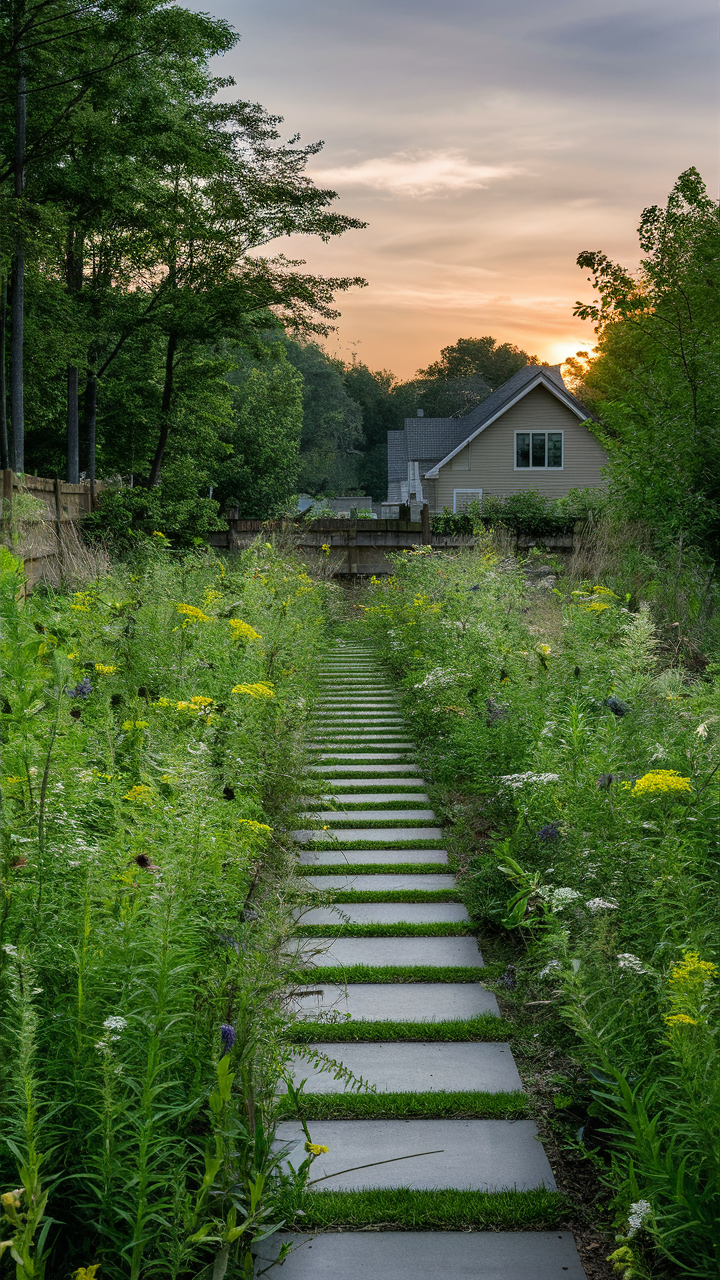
[492,455]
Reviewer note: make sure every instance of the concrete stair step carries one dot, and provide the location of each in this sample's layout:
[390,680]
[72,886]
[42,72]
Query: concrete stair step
[364,857]
[467,1155]
[425,1002]
[382,883]
[357,815]
[385,913]
[423,1255]
[389,951]
[376,797]
[388,835]
[415,1067]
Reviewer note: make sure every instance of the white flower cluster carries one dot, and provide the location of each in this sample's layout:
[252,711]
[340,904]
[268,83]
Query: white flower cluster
[599,904]
[115,1024]
[9,949]
[515,780]
[637,1216]
[631,963]
[558,899]
[440,678]
[550,968]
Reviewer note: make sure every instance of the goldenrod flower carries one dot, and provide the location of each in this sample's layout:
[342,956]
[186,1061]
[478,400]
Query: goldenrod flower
[157,534]
[662,782]
[140,793]
[104,670]
[191,614]
[254,826]
[316,1148]
[243,631]
[89,1273]
[261,689]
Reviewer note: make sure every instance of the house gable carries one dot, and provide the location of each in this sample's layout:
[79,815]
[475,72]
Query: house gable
[486,461]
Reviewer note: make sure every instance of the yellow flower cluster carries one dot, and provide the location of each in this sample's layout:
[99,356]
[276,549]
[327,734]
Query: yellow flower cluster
[191,614]
[261,689]
[316,1148]
[140,793]
[662,782]
[243,631]
[157,534]
[134,724]
[210,597]
[198,704]
[81,601]
[688,982]
[104,670]
[257,827]
[87,1273]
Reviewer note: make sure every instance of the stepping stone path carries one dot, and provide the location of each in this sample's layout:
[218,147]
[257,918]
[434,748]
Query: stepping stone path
[364,751]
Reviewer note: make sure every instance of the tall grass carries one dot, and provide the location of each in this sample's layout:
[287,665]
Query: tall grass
[153,727]
[605,880]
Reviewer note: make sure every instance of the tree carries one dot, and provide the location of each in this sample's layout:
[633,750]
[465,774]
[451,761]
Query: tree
[261,474]
[381,412]
[478,357]
[653,381]
[332,432]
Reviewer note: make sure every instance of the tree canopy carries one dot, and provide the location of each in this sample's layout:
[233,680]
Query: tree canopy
[653,378]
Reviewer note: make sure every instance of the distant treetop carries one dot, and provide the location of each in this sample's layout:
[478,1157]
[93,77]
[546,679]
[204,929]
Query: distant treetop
[469,357]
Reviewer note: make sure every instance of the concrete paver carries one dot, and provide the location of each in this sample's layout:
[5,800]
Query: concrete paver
[391,951]
[398,1002]
[413,1068]
[424,1255]
[382,883]
[386,913]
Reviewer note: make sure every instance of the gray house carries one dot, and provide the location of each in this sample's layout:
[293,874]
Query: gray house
[529,434]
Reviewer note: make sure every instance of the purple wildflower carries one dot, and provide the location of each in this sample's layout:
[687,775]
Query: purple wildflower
[81,690]
[549,832]
[228,1037]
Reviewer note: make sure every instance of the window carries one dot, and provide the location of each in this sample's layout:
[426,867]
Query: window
[538,449]
[461,498]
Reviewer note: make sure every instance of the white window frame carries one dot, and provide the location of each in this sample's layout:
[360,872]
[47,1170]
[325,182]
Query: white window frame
[479,493]
[529,432]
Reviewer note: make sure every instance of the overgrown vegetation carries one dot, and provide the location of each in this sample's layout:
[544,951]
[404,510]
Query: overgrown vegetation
[152,735]
[579,771]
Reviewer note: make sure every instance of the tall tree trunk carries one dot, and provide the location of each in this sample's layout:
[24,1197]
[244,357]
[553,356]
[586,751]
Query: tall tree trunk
[4,446]
[164,410]
[18,292]
[73,433]
[90,420]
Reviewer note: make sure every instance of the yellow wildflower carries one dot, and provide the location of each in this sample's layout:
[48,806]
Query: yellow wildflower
[254,826]
[157,534]
[191,614]
[243,631]
[89,1273]
[261,689]
[325,548]
[596,606]
[71,656]
[662,782]
[688,983]
[316,1148]
[680,1019]
[211,596]
[162,702]
[104,670]
[198,701]
[141,793]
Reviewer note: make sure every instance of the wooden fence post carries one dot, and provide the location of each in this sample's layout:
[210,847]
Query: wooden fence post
[7,493]
[425,520]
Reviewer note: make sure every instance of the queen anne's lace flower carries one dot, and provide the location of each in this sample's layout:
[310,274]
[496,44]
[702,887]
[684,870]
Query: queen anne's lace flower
[440,678]
[600,904]
[630,963]
[515,780]
[638,1213]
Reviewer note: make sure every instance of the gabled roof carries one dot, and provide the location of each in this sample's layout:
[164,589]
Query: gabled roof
[430,438]
[512,391]
[397,456]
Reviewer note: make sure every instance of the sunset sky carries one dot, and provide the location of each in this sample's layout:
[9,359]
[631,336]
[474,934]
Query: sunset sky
[486,144]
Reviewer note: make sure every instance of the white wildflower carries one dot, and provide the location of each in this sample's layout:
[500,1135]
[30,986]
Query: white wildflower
[600,904]
[561,898]
[638,1213]
[440,678]
[115,1024]
[9,949]
[550,968]
[631,963]
[515,780]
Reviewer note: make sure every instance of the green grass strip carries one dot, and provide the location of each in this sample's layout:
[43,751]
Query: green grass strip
[374,819]
[374,869]
[409,1106]
[401,929]
[396,895]
[433,1210]
[485,1028]
[340,974]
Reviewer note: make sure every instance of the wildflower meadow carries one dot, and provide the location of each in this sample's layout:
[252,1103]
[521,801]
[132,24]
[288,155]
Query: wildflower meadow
[153,734]
[577,765]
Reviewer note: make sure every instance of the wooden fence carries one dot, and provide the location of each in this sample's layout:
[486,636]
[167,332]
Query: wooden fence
[44,543]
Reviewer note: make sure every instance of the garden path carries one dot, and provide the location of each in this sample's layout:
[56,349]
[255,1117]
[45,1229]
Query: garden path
[365,754]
